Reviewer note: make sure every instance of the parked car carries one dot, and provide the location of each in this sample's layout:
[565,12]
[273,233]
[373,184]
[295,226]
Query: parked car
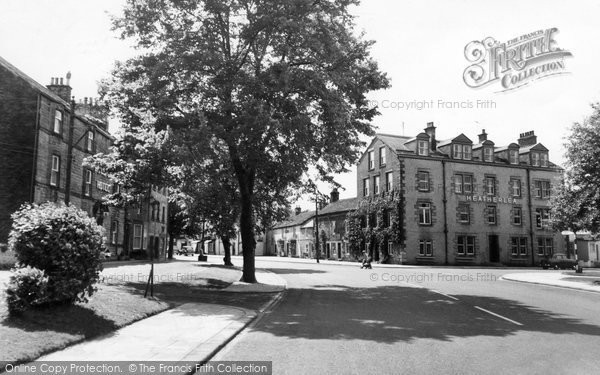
[185,250]
[106,254]
[559,261]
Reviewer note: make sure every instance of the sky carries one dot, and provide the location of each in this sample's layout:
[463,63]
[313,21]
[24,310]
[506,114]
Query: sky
[419,44]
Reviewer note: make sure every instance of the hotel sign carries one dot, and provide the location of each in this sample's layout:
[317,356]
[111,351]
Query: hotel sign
[490,199]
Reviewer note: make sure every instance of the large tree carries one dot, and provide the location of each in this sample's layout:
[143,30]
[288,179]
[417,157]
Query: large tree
[280,85]
[576,205]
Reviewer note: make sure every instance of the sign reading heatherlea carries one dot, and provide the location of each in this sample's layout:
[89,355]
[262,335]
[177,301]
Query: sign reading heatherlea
[514,63]
[489,199]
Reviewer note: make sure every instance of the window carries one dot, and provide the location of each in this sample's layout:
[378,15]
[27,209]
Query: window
[491,215]
[425,248]
[518,246]
[545,246]
[382,156]
[389,182]
[542,189]
[465,245]
[376,185]
[544,159]
[535,159]
[490,185]
[163,214]
[89,144]
[488,154]
[58,121]
[517,214]
[371,156]
[425,213]
[114,232]
[542,218]
[366,187]
[390,217]
[515,187]
[423,181]
[513,156]
[137,236]
[422,148]
[464,213]
[467,152]
[87,183]
[457,151]
[463,183]
[55,171]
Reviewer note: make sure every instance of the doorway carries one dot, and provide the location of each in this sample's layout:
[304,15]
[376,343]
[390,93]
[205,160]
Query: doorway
[494,246]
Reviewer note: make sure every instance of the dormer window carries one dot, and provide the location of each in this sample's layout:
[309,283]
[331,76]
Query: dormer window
[544,159]
[535,159]
[89,144]
[513,156]
[488,154]
[423,148]
[461,152]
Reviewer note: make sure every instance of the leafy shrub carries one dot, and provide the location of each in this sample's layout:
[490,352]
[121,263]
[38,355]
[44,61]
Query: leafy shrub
[62,241]
[26,287]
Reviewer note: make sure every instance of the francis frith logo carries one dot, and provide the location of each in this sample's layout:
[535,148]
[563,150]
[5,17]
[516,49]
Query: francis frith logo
[514,63]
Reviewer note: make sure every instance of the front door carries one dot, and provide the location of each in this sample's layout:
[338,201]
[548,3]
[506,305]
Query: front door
[494,249]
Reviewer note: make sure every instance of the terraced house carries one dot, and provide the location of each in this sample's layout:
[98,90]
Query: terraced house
[464,202]
[44,138]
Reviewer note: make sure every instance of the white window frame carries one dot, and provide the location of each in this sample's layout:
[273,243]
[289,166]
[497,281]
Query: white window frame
[544,159]
[55,171]
[464,213]
[491,212]
[467,244]
[371,159]
[376,185]
[535,159]
[513,156]
[87,184]
[457,151]
[382,156]
[467,152]
[488,154]
[515,187]
[58,122]
[425,248]
[138,236]
[89,145]
[366,184]
[422,148]
[389,181]
[514,215]
[490,185]
[423,181]
[425,213]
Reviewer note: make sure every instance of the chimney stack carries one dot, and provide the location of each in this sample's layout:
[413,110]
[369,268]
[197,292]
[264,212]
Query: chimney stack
[482,136]
[430,131]
[298,210]
[58,87]
[527,139]
[335,195]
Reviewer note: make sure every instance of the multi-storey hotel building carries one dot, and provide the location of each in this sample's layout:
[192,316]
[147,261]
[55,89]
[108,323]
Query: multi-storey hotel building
[464,202]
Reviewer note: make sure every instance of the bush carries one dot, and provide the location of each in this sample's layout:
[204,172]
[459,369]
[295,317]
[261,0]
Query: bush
[62,241]
[27,287]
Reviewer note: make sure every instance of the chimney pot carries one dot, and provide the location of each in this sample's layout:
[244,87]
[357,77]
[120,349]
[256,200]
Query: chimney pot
[335,195]
[430,131]
[482,136]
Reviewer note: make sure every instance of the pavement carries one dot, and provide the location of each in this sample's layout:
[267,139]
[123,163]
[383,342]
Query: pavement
[557,279]
[191,332]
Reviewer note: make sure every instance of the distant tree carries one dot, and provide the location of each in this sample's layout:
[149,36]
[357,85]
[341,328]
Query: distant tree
[576,205]
[280,85]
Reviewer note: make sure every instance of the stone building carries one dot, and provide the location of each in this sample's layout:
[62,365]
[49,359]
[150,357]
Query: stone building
[463,202]
[44,138]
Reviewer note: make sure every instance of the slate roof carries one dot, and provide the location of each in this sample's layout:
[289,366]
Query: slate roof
[31,82]
[395,142]
[343,205]
[294,220]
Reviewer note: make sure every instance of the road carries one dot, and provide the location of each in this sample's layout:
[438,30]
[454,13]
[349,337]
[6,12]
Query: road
[343,320]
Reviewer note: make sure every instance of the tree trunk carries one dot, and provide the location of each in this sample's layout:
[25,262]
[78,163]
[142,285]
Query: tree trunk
[248,241]
[227,248]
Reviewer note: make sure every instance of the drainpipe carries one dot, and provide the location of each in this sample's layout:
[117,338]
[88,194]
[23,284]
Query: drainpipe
[445,200]
[529,207]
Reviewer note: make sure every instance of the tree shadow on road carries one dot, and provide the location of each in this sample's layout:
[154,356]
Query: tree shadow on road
[294,270]
[396,314]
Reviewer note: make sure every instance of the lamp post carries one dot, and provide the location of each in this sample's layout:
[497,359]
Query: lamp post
[317,224]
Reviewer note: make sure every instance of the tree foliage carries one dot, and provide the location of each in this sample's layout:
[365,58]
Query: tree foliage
[279,85]
[576,204]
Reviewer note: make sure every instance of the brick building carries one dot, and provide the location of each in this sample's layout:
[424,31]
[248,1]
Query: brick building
[44,138]
[464,202]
